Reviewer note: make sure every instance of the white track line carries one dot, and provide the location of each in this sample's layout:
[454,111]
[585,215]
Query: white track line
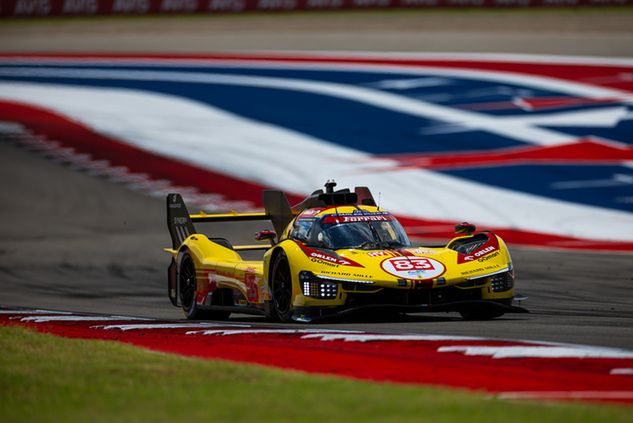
[150,326]
[45,319]
[317,332]
[622,371]
[539,351]
[386,337]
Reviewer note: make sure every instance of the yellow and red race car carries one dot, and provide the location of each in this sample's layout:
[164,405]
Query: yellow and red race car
[335,252]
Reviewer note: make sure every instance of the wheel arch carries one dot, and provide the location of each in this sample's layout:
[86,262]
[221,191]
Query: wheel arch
[269,265]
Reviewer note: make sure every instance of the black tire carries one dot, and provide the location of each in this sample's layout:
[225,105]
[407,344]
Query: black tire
[281,287]
[480,313]
[188,290]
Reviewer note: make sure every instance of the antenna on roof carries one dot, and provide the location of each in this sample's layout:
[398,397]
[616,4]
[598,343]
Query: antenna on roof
[329,186]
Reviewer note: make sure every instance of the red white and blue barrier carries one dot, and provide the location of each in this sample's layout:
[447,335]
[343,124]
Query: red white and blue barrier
[25,8]
[536,148]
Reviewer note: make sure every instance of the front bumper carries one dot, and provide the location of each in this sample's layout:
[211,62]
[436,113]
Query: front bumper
[310,314]
[358,298]
[325,297]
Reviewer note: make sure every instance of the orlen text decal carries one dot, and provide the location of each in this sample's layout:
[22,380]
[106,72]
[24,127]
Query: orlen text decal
[325,258]
[489,247]
[416,268]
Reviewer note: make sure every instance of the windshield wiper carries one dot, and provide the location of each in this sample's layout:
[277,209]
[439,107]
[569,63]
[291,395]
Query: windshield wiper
[366,244]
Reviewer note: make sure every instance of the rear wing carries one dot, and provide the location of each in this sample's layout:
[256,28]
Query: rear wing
[178,221]
[181,224]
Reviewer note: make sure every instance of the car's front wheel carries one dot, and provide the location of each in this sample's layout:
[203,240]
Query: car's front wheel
[281,285]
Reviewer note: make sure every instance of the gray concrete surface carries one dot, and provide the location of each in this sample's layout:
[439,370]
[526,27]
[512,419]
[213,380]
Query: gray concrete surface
[596,32]
[72,241]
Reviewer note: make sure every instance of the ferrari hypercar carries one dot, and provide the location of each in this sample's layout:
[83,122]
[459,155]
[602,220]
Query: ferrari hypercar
[336,252]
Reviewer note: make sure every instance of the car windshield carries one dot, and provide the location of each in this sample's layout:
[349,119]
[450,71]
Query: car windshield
[384,232]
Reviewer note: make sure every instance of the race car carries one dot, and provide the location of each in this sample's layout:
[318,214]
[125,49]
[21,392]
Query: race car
[334,253]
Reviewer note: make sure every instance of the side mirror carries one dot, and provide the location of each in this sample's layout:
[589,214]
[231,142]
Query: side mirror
[265,236]
[465,228]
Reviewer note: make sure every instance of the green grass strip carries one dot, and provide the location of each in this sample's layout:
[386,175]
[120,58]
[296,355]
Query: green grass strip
[44,378]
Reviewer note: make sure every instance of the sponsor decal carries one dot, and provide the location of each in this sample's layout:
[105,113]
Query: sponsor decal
[319,256]
[371,3]
[327,273]
[212,279]
[202,290]
[130,6]
[378,254]
[252,285]
[481,269]
[365,219]
[470,272]
[231,5]
[32,7]
[277,4]
[489,247]
[310,213]
[506,3]
[419,3]
[361,216]
[324,4]
[88,7]
[420,251]
[179,5]
[489,256]
[416,268]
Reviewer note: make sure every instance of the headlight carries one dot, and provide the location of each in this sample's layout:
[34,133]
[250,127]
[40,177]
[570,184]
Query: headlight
[315,287]
[502,282]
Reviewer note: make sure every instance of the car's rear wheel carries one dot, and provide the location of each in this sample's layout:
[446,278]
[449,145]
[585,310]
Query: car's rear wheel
[189,292]
[282,288]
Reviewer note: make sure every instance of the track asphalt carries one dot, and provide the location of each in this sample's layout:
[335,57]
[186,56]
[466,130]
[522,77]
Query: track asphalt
[74,241]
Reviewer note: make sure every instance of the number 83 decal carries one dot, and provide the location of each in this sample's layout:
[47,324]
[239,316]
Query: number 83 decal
[413,267]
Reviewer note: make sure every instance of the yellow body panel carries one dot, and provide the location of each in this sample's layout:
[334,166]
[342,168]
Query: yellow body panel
[377,277]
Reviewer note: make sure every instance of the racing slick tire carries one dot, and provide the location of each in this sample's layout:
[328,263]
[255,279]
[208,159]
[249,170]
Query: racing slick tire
[480,313]
[281,287]
[188,293]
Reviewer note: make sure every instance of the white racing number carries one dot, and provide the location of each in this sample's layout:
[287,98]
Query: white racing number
[413,267]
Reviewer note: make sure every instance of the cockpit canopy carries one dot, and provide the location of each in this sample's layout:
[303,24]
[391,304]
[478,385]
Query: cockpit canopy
[360,229]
